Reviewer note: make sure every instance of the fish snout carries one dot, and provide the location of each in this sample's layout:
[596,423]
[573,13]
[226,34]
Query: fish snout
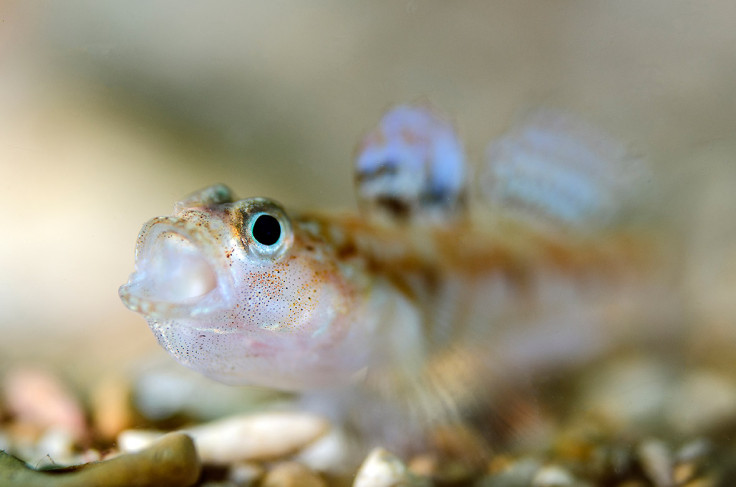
[176,271]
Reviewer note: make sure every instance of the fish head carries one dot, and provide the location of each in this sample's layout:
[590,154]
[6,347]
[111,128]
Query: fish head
[237,292]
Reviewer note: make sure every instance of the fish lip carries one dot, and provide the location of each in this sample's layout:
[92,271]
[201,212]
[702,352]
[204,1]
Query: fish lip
[134,293]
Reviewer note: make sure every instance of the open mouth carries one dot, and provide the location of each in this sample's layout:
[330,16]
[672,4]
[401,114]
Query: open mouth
[175,274]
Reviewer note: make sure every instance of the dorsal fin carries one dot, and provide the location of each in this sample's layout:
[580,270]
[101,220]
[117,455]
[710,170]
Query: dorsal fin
[216,194]
[411,166]
[555,169]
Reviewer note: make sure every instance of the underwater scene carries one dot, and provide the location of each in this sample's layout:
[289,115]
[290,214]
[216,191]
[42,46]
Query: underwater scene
[368,244]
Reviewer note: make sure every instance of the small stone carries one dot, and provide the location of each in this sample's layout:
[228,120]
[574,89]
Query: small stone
[458,454]
[703,482]
[694,450]
[40,399]
[332,453]
[245,473]
[112,410]
[292,474]
[256,437]
[506,472]
[131,441]
[383,469]
[684,472]
[424,465]
[553,476]
[656,461]
[170,462]
[443,470]
[250,437]
[91,455]
[690,461]
[628,393]
[459,442]
[500,463]
[56,447]
[5,443]
[702,401]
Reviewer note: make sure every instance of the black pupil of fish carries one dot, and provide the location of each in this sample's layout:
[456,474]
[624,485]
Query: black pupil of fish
[266,230]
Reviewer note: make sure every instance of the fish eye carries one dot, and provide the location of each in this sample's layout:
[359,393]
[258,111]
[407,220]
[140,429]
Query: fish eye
[264,227]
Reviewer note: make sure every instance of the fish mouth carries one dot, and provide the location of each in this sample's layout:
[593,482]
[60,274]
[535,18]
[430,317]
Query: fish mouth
[177,272]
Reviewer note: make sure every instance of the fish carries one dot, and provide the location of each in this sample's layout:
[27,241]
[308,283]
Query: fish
[444,291]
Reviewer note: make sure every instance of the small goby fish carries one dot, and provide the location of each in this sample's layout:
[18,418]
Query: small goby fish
[429,298]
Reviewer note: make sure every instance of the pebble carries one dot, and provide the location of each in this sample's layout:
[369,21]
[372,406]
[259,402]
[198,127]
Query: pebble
[56,447]
[333,453]
[292,474]
[4,441]
[112,409]
[245,473]
[690,462]
[553,476]
[170,462]
[703,401]
[632,398]
[656,461]
[255,437]
[131,441]
[40,399]
[694,450]
[628,393]
[507,472]
[248,437]
[383,469]
[443,470]
[684,473]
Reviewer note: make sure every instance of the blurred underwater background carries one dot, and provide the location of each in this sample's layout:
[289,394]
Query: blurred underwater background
[112,111]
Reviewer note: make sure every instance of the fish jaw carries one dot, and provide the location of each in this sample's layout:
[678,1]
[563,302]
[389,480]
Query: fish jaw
[177,273]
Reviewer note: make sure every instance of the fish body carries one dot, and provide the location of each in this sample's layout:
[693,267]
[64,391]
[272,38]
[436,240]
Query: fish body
[422,307]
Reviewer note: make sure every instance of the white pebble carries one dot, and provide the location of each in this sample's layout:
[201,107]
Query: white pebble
[57,445]
[552,476]
[702,401]
[4,441]
[245,473]
[131,441]
[40,398]
[330,453]
[250,437]
[383,469]
[629,392]
[656,460]
[256,437]
[292,474]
